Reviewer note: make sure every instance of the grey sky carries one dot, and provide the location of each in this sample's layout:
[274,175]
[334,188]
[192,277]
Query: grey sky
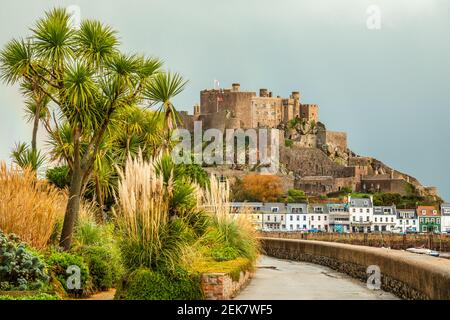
[388,89]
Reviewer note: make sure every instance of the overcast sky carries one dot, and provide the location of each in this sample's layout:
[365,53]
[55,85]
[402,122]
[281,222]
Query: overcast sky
[389,89]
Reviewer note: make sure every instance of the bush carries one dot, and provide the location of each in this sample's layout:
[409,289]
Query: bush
[59,176]
[296,196]
[104,266]
[224,253]
[288,143]
[145,284]
[89,233]
[154,215]
[59,262]
[232,238]
[30,208]
[20,269]
[40,296]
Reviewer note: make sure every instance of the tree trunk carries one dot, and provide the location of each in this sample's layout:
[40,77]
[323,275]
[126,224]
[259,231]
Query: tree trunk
[73,204]
[99,196]
[35,127]
[72,209]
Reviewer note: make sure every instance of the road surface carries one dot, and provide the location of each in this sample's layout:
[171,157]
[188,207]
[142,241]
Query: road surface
[277,279]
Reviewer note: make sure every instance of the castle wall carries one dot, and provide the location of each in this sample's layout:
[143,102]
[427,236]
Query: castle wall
[236,102]
[266,112]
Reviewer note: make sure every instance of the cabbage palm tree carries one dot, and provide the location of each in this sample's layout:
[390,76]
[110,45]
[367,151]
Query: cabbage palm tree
[87,80]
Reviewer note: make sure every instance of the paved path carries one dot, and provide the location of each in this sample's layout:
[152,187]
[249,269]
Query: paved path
[286,280]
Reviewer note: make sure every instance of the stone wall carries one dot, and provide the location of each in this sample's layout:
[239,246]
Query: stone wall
[407,275]
[220,286]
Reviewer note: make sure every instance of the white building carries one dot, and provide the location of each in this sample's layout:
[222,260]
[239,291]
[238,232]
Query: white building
[318,217]
[407,220]
[339,218]
[274,216]
[445,218]
[384,219]
[297,217]
[361,214]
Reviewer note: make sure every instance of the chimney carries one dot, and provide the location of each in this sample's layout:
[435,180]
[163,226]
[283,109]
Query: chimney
[295,95]
[236,87]
[263,92]
[270,94]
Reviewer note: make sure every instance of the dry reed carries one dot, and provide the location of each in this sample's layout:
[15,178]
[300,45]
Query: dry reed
[29,208]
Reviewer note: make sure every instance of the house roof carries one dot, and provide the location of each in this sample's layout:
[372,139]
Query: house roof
[360,202]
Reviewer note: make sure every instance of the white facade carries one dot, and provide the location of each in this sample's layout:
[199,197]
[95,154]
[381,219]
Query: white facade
[297,217]
[318,218]
[407,221]
[361,214]
[384,219]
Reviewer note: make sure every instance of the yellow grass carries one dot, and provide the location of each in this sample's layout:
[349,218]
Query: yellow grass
[29,208]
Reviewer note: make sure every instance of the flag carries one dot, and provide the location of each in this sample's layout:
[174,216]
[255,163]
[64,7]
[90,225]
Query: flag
[216,85]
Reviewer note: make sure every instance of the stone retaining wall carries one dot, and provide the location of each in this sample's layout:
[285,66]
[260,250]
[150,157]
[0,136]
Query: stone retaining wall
[220,286]
[407,275]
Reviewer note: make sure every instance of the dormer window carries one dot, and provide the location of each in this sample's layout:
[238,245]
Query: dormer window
[434,212]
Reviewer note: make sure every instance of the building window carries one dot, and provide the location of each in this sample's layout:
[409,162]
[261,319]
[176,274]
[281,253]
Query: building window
[304,218]
[424,212]
[318,218]
[275,209]
[291,218]
[298,218]
[368,210]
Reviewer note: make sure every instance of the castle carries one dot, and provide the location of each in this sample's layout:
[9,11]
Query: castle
[235,109]
[319,159]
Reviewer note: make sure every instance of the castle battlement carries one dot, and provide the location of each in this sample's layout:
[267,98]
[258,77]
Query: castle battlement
[233,108]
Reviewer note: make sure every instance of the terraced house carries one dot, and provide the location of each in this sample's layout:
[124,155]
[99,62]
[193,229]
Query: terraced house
[429,219]
[297,217]
[407,220]
[361,212]
[339,218]
[384,219]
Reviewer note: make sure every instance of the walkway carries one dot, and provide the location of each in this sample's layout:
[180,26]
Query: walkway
[286,280]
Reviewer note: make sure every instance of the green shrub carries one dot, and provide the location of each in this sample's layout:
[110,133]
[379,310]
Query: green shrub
[288,143]
[230,239]
[224,253]
[59,176]
[296,196]
[39,296]
[20,268]
[89,233]
[59,262]
[144,284]
[104,264]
